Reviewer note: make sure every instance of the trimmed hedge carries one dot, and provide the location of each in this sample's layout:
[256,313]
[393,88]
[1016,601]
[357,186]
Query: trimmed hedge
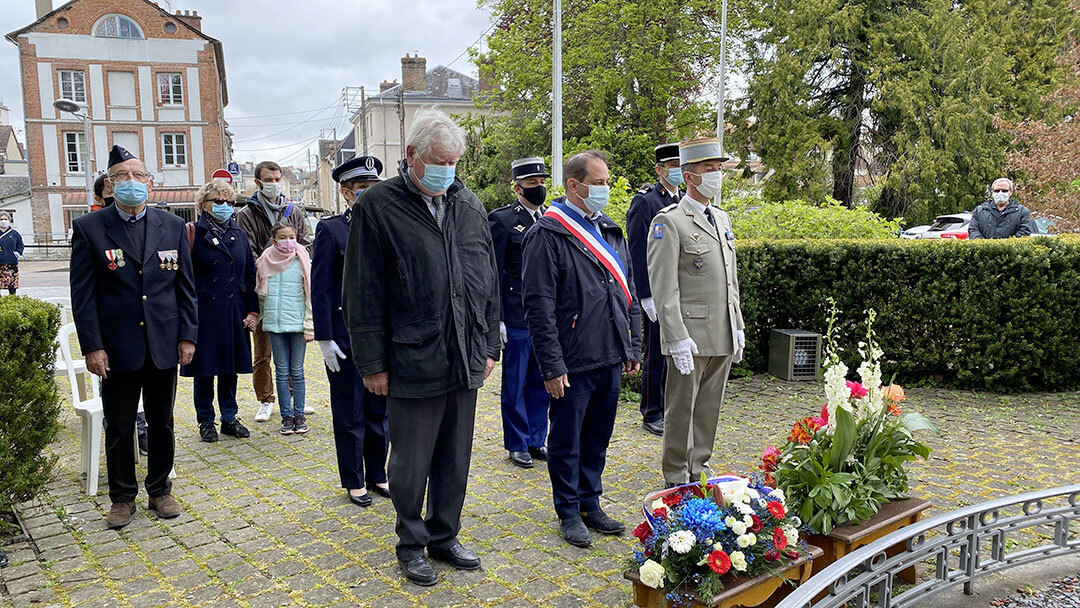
[995,315]
[29,400]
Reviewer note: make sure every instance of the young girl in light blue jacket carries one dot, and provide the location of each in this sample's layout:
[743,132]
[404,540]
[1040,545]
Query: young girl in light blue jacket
[283,282]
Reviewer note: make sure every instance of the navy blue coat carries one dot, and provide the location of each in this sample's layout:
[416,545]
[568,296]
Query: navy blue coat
[10,243]
[643,208]
[327,269]
[225,283]
[136,307]
[576,313]
[508,225]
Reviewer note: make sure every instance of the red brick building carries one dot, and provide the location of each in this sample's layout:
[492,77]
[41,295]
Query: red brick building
[148,80]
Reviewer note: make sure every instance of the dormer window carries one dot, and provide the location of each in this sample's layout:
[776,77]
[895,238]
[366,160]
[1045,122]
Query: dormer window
[117,26]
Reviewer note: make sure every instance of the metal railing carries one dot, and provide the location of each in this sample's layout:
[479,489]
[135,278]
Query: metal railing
[961,546]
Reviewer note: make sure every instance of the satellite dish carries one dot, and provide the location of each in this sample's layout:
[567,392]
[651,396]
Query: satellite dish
[66,106]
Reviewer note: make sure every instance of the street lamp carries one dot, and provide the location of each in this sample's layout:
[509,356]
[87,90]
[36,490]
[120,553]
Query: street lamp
[73,108]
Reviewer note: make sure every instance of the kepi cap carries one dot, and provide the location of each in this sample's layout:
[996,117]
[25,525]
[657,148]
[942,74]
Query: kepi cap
[361,168]
[666,152]
[700,149]
[528,167]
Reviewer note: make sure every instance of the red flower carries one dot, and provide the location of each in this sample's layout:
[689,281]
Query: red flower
[800,433]
[672,499]
[858,391]
[770,459]
[791,554]
[643,531]
[719,562]
[758,525]
[825,413]
[697,491]
[772,555]
[779,539]
[660,512]
[776,509]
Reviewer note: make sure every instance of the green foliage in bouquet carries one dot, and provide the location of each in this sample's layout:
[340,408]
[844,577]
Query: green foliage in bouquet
[840,467]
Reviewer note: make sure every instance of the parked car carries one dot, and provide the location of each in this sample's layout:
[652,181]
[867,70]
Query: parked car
[914,232]
[949,226]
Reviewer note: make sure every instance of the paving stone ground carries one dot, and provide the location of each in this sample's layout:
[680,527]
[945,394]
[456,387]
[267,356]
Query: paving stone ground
[264,522]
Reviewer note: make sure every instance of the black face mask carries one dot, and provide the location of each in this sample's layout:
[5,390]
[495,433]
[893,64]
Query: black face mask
[535,195]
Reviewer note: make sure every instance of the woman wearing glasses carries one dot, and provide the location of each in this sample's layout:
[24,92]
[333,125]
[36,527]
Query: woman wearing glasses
[225,283]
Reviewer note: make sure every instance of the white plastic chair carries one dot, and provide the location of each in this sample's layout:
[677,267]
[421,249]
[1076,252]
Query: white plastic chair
[89,410]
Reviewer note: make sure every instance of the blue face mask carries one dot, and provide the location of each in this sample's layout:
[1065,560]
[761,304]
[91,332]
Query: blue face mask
[221,211]
[674,176]
[598,198]
[130,193]
[437,178]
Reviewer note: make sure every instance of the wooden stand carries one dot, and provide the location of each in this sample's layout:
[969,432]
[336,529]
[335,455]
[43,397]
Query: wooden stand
[739,591]
[846,538]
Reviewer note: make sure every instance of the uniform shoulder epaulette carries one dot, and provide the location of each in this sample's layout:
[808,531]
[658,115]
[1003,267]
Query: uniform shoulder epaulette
[668,208]
[504,208]
[647,188]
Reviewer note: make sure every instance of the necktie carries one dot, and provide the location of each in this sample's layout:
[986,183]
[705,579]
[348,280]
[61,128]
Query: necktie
[712,220]
[440,210]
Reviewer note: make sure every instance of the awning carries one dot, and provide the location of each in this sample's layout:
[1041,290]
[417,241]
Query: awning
[156,196]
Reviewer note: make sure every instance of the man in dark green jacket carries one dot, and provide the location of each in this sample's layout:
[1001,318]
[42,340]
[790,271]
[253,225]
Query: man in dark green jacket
[421,305]
[1001,217]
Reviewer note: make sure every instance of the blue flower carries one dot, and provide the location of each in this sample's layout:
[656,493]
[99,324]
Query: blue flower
[702,517]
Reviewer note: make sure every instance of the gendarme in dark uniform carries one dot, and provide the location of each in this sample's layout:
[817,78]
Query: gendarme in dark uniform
[524,399]
[360,434]
[643,208]
[133,301]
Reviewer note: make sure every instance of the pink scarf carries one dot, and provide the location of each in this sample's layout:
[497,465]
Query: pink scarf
[274,262]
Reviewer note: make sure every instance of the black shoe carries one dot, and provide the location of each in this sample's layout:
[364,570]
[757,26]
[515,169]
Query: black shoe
[364,500]
[3,559]
[521,459]
[419,571]
[457,556]
[381,491]
[575,532]
[208,432]
[599,521]
[235,428]
[656,427]
[539,453]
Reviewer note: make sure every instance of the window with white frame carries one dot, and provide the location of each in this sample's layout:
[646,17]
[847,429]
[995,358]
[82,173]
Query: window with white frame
[170,89]
[75,151]
[117,26]
[73,86]
[174,149]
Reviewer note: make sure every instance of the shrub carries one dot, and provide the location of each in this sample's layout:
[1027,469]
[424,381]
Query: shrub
[998,315]
[753,219]
[29,401]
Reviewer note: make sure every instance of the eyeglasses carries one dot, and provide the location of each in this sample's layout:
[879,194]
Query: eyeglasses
[222,201]
[123,176]
[1005,190]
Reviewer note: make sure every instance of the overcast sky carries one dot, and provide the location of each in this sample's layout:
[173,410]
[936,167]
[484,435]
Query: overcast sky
[287,60]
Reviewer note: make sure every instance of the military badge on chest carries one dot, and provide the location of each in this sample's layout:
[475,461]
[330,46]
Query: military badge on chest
[699,263]
[520,227]
[116,258]
[169,259]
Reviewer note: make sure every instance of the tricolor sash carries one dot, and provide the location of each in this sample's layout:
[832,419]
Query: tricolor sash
[584,231]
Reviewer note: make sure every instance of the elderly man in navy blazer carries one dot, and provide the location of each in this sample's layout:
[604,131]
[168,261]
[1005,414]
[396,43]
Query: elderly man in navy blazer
[133,300]
[359,415]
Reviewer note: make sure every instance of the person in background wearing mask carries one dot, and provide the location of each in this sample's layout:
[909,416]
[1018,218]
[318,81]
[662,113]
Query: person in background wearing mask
[135,310]
[224,272]
[11,251]
[524,399]
[359,415]
[262,211]
[585,324]
[1001,217]
[691,255]
[643,208]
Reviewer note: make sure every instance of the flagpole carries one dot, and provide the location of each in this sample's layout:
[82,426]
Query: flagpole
[723,83]
[556,96]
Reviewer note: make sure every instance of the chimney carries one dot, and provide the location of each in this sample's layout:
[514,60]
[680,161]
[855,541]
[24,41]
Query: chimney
[386,85]
[191,18]
[487,75]
[414,73]
[44,7]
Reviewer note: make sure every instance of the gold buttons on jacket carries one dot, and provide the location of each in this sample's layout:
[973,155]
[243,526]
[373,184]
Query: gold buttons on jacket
[141,324]
[144,298]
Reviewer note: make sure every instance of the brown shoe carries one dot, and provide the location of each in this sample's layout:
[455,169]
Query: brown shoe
[166,506]
[120,514]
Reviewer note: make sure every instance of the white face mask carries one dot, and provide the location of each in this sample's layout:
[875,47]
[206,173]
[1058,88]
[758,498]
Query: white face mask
[271,190]
[4,224]
[1000,197]
[710,183]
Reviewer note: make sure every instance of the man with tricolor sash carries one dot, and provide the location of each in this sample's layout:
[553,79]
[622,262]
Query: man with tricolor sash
[584,321]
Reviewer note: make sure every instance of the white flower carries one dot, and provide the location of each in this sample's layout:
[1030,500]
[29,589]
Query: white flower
[749,521]
[652,574]
[739,528]
[792,535]
[729,521]
[752,493]
[746,540]
[778,494]
[744,508]
[738,561]
[682,541]
[796,522]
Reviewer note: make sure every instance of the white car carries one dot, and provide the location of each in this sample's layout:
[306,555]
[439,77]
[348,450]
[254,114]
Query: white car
[950,226]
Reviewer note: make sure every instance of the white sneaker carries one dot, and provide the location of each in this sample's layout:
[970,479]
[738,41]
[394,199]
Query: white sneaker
[264,412]
[308,409]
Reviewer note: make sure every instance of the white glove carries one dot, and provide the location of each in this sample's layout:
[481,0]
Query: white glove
[331,352]
[502,331]
[740,338]
[682,354]
[650,308]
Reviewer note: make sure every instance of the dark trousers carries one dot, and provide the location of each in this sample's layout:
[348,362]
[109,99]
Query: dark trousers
[359,427]
[204,398]
[524,398]
[653,373]
[581,426]
[120,399]
[432,439]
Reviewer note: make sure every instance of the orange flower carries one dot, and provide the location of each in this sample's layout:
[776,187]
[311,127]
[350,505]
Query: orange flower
[894,408]
[894,393]
[799,433]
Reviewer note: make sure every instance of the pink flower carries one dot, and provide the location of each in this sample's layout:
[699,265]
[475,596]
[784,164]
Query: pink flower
[858,391]
[825,414]
[770,459]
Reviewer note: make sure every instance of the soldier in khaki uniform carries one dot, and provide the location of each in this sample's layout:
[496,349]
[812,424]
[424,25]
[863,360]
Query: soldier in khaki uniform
[691,254]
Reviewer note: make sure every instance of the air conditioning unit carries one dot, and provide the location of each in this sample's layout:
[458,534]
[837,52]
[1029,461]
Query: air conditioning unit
[795,354]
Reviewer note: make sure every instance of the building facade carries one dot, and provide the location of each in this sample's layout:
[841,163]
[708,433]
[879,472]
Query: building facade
[147,80]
